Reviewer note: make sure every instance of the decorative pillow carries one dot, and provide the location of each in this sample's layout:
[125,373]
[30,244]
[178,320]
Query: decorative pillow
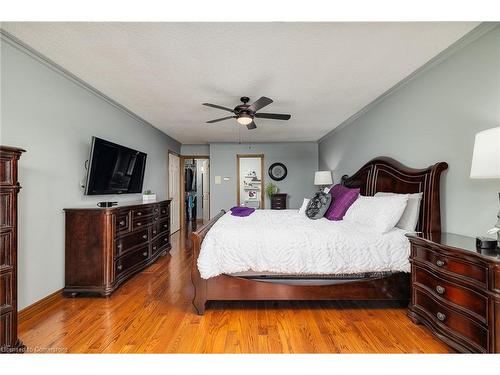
[342,198]
[378,213]
[302,209]
[409,219]
[318,205]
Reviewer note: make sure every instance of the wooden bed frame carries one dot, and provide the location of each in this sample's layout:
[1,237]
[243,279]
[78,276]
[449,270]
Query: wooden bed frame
[380,174]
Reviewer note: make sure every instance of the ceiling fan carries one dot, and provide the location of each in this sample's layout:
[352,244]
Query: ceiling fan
[245,113]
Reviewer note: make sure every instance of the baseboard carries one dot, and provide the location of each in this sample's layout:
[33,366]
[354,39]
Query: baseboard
[39,306]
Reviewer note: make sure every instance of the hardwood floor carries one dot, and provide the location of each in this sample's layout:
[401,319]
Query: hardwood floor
[152,313]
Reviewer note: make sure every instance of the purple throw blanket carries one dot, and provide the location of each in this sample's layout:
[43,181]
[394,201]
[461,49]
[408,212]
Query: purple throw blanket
[242,211]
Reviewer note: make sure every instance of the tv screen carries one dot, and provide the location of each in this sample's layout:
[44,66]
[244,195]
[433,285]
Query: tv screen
[114,169]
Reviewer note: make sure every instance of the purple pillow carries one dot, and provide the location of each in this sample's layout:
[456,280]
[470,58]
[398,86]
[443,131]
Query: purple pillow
[342,198]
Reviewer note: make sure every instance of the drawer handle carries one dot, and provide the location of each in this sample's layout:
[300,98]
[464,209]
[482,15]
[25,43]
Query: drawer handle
[441,316]
[165,239]
[163,211]
[145,253]
[139,213]
[122,223]
[156,219]
[119,246]
[154,247]
[154,232]
[119,267]
[145,236]
[440,289]
[440,263]
[139,224]
[165,226]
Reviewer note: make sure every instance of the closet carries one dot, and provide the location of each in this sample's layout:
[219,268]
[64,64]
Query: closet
[196,188]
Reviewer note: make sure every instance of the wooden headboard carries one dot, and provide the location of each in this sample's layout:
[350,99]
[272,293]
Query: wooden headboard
[388,175]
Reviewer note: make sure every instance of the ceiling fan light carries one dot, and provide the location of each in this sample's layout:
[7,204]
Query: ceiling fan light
[244,120]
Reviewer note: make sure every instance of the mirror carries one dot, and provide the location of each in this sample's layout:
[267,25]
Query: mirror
[250,184]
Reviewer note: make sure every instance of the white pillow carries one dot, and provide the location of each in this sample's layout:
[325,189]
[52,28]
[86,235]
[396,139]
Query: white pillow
[302,209]
[409,219]
[378,213]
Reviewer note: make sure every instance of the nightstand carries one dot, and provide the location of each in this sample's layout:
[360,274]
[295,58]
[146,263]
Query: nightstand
[455,291]
[278,201]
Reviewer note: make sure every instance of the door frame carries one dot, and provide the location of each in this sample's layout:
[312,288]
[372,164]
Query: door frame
[182,159]
[244,156]
[170,152]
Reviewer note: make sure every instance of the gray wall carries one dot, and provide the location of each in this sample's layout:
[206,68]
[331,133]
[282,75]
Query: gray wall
[301,160]
[53,119]
[198,150]
[434,117]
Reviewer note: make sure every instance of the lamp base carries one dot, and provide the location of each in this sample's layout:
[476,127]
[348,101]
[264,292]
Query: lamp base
[486,243]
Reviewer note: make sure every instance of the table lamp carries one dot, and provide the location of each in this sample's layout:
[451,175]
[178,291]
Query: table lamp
[323,178]
[486,162]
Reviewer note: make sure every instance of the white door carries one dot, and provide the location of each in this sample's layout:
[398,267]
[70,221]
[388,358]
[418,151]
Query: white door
[174,191]
[205,173]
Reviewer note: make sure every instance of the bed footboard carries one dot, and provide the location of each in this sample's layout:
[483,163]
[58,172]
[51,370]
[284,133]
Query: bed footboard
[200,285]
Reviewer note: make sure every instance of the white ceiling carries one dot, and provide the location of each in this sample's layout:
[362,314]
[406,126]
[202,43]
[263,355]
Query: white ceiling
[320,73]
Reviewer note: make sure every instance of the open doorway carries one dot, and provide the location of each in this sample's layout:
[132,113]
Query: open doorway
[250,181]
[195,189]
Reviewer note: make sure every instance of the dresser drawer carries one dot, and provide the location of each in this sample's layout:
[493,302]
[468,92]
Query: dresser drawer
[474,303]
[131,260]
[142,222]
[453,322]
[165,209]
[6,291]
[127,242]
[160,244]
[122,222]
[163,226]
[475,272]
[141,212]
[6,250]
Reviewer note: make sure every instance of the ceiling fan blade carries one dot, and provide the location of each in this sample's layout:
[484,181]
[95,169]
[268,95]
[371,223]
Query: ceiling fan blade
[274,116]
[251,126]
[220,119]
[218,107]
[260,103]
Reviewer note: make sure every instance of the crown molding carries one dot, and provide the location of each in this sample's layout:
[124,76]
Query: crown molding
[468,38]
[23,47]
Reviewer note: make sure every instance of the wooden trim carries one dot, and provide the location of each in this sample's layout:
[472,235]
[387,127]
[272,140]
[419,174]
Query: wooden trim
[182,204]
[39,306]
[170,152]
[242,156]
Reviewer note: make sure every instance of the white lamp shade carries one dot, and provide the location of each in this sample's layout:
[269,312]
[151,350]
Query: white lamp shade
[486,154]
[323,178]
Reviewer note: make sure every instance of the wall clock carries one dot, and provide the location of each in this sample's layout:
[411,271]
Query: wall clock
[277,171]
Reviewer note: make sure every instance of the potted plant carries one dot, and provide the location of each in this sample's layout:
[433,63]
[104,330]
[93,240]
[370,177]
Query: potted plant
[148,196]
[271,189]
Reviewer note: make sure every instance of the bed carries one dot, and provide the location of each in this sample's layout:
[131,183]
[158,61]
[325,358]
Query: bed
[325,265]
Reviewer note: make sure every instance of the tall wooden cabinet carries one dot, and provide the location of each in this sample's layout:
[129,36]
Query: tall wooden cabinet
[9,188]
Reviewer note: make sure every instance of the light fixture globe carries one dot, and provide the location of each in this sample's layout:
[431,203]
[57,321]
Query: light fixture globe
[244,119]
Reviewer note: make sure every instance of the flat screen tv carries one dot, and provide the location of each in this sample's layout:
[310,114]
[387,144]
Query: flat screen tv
[114,169]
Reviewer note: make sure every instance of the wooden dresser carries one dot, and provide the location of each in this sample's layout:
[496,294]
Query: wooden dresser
[9,188]
[106,246]
[278,201]
[456,291]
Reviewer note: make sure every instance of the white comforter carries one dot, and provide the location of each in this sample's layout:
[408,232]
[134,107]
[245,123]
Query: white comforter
[288,242]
